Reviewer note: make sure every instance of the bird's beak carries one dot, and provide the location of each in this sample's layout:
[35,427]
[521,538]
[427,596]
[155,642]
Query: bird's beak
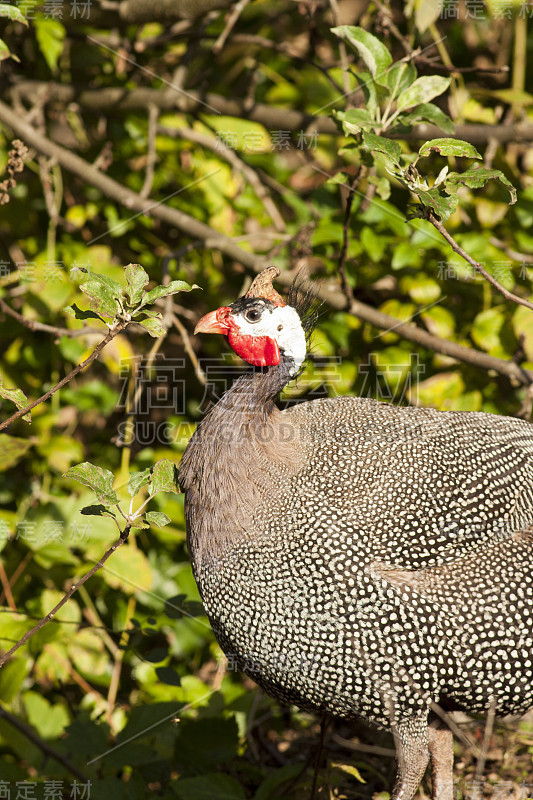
[214,322]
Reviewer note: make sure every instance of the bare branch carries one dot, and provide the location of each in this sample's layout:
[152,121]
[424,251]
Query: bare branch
[193,228]
[124,99]
[231,21]
[153,113]
[96,352]
[456,247]
[47,749]
[34,325]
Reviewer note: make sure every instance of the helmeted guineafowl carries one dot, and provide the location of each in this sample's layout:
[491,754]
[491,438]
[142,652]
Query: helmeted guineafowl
[367,560]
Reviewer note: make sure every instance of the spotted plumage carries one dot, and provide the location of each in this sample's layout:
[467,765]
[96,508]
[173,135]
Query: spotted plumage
[366,560]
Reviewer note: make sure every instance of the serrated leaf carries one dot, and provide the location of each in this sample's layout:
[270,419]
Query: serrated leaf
[157,518]
[96,511]
[421,91]
[163,291]
[439,202]
[12,13]
[103,298]
[98,479]
[375,55]
[427,112]
[476,176]
[153,326]
[78,313]
[378,144]
[163,477]
[136,278]
[18,397]
[137,481]
[400,77]
[449,147]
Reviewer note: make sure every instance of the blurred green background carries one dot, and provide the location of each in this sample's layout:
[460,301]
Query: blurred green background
[126,688]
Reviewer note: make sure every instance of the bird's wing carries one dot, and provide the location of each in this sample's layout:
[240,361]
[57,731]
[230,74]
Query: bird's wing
[426,487]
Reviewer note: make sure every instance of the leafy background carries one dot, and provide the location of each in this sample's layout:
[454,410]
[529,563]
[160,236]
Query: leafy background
[126,687]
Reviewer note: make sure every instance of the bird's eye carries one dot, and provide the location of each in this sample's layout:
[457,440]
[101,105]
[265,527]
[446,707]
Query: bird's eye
[253,315]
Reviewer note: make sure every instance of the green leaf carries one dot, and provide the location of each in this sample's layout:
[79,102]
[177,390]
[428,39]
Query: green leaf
[355,119]
[49,720]
[382,185]
[439,202]
[163,291]
[375,55]
[5,52]
[153,326]
[18,397]
[168,675]
[13,13]
[136,278]
[157,518]
[163,477]
[50,34]
[12,449]
[96,511]
[400,77]
[77,313]
[104,298]
[421,91]
[378,144]
[476,176]
[129,571]
[137,481]
[98,479]
[449,147]
[427,13]
[427,112]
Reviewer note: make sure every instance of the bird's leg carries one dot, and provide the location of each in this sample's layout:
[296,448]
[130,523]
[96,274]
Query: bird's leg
[411,738]
[441,754]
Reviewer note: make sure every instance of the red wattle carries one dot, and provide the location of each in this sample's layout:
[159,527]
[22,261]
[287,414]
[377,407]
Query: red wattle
[261,351]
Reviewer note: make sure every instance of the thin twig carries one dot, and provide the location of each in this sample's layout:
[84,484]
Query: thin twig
[153,115]
[7,588]
[436,222]
[187,346]
[47,749]
[346,288]
[207,236]
[34,325]
[521,258]
[482,756]
[120,541]
[119,327]
[231,21]
[124,99]
[18,572]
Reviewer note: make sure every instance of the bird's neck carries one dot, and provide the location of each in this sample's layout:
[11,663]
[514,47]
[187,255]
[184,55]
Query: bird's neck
[232,459]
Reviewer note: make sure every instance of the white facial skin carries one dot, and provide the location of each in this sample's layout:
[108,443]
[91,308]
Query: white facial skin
[282,324]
